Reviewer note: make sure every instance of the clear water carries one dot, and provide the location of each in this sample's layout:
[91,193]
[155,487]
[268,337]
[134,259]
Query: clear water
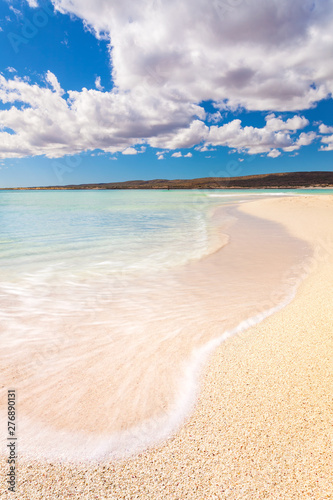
[88,232]
[82,233]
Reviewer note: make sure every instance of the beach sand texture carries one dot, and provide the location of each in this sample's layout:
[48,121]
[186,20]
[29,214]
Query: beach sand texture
[262,427]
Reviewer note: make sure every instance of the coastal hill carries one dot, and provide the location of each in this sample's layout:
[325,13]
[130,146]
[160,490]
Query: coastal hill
[286,180]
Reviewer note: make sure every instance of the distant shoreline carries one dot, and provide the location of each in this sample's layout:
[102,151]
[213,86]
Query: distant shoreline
[286,180]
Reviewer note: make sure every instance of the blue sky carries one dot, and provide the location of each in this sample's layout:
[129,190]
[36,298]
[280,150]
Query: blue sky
[102,91]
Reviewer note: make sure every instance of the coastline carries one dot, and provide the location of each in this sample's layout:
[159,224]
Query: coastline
[282,180]
[261,426]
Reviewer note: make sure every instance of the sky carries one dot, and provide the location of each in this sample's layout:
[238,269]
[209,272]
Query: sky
[105,90]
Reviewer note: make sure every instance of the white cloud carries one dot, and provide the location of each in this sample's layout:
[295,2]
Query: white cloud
[98,84]
[130,151]
[32,3]
[214,117]
[324,129]
[160,154]
[274,153]
[133,151]
[49,124]
[177,154]
[188,155]
[110,121]
[269,139]
[11,70]
[53,81]
[260,55]
[202,149]
[292,124]
[328,140]
[250,139]
[166,58]
[305,139]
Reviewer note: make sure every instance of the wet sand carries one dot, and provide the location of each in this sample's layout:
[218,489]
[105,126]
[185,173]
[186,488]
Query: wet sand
[262,425]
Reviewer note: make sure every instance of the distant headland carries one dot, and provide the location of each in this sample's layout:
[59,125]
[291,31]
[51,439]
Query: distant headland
[286,180]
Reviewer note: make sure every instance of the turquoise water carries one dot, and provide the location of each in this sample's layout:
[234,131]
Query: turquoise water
[103,232]
[89,232]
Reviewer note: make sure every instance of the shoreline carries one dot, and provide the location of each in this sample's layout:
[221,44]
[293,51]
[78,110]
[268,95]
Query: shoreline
[248,392]
[164,188]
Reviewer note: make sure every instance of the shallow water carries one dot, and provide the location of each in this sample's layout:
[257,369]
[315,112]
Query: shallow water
[112,299]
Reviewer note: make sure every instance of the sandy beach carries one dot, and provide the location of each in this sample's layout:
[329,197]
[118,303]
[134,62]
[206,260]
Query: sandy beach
[262,426]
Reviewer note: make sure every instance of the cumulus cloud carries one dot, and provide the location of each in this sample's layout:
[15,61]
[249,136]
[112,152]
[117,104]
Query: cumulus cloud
[188,155]
[177,154]
[270,139]
[260,55]
[292,124]
[324,129]
[169,56]
[251,139]
[52,125]
[87,120]
[305,139]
